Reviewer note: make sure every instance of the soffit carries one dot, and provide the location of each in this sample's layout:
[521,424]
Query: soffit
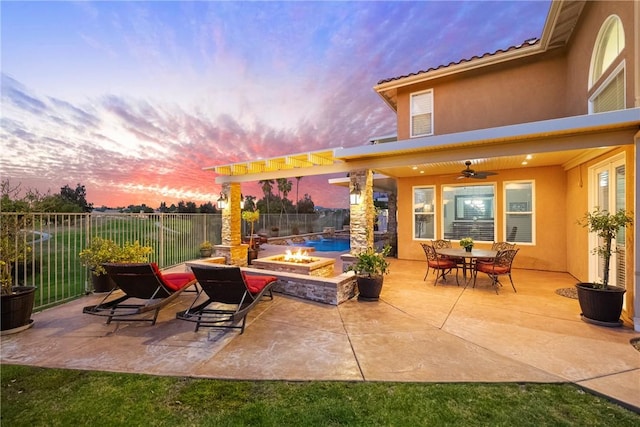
[276,164]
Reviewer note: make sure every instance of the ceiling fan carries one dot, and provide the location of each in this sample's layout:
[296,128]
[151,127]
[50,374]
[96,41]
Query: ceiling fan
[470,173]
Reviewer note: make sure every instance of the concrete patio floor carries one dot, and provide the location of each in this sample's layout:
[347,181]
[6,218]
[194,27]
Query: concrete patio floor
[417,332]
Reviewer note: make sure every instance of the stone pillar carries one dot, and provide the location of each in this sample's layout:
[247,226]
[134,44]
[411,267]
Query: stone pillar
[232,249]
[362,215]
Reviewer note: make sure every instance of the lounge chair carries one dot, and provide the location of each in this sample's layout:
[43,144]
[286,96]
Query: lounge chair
[142,282]
[226,285]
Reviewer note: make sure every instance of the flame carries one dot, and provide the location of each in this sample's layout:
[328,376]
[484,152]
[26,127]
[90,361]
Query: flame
[298,256]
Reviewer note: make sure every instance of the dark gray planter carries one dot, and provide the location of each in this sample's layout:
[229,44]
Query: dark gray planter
[16,309]
[600,306]
[369,288]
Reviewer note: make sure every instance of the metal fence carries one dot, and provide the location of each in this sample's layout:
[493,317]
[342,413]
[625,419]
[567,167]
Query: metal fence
[52,264]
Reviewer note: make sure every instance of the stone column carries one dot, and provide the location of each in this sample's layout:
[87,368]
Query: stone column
[362,214]
[232,249]
[392,225]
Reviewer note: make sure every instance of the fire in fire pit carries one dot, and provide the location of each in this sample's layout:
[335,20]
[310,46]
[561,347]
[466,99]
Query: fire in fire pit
[298,257]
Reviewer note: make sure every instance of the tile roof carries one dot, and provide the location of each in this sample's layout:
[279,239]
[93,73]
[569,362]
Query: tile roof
[526,43]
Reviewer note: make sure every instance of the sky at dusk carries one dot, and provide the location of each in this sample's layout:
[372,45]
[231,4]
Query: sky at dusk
[133,99]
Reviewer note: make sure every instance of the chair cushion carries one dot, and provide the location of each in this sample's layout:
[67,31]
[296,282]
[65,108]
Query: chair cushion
[490,268]
[443,263]
[255,284]
[177,281]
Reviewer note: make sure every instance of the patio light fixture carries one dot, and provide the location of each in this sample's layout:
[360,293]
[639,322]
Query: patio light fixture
[222,201]
[241,201]
[354,195]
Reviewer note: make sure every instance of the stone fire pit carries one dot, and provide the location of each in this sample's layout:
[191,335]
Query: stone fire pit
[307,265]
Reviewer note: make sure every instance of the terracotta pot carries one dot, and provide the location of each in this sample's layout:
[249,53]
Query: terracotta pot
[600,306]
[369,288]
[16,309]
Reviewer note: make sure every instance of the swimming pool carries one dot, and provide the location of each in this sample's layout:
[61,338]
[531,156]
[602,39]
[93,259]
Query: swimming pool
[329,245]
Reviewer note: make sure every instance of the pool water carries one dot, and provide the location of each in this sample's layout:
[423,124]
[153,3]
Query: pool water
[329,245]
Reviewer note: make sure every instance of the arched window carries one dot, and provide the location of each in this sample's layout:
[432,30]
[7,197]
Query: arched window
[609,94]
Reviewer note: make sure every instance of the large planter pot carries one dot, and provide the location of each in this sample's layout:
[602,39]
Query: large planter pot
[369,287]
[600,306]
[251,255]
[102,283]
[16,309]
[205,253]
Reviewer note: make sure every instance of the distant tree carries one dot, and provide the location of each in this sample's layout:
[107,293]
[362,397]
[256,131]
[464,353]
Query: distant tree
[250,203]
[306,205]
[298,178]
[77,197]
[267,189]
[163,207]
[207,208]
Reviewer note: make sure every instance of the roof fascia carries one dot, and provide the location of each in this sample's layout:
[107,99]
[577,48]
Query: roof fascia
[620,118]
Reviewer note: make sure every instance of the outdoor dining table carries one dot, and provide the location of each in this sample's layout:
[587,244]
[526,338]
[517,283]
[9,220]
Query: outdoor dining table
[469,257]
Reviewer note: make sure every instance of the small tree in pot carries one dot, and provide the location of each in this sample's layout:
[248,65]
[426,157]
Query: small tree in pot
[251,217]
[370,268]
[600,302]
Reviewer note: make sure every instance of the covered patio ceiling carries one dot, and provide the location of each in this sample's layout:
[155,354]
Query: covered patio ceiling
[566,142]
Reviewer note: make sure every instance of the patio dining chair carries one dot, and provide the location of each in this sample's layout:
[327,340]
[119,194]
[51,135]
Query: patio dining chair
[440,265]
[231,295]
[497,246]
[501,266]
[444,244]
[141,288]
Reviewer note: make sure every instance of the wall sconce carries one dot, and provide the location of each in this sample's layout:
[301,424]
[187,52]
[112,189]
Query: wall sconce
[241,201]
[222,201]
[354,195]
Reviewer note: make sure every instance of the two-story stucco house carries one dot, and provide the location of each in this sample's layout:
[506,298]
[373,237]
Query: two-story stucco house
[557,122]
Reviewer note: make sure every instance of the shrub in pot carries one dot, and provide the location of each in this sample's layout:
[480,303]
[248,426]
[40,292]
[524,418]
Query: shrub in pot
[251,217]
[600,302]
[16,302]
[370,267]
[206,249]
[101,251]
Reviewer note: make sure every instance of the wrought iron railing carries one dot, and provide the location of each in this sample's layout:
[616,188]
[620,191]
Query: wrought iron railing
[52,263]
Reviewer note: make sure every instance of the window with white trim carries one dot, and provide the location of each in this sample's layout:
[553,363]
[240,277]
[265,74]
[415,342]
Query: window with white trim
[519,211]
[424,224]
[468,211]
[610,94]
[421,113]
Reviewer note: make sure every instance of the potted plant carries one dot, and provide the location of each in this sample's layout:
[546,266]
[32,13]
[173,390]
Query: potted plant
[251,217]
[467,243]
[370,267]
[206,249]
[16,302]
[101,251]
[600,302]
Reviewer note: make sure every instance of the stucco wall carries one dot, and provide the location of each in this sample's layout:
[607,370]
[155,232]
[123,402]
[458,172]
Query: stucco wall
[577,202]
[540,87]
[581,47]
[549,251]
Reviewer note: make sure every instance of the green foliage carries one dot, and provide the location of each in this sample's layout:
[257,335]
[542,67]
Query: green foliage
[59,397]
[102,250]
[206,246]
[371,263]
[14,243]
[466,242]
[606,226]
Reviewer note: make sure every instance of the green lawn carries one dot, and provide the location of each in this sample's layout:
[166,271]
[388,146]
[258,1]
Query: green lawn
[57,397]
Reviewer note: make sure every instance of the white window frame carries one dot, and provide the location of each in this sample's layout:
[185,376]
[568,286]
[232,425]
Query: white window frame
[531,211]
[605,84]
[495,206]
[433,212]
[412,114]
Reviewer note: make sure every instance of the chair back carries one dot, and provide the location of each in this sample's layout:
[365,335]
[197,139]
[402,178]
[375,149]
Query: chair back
[139,280]
[505,258]
[223,284]
[502,246]
[441,244]
[429,251]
